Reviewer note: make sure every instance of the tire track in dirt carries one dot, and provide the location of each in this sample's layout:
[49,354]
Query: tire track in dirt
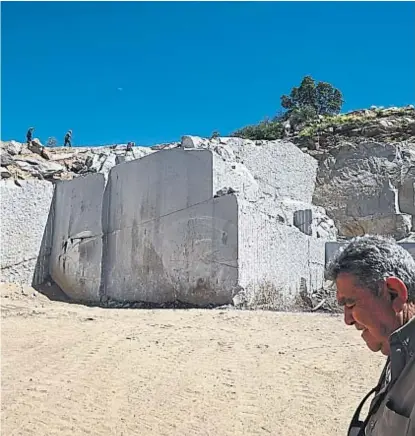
[72,373]
[169,372]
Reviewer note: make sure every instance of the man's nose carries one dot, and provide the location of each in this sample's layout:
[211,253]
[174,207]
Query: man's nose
[348,317]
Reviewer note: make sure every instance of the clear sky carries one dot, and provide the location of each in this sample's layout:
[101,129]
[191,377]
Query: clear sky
[151,72]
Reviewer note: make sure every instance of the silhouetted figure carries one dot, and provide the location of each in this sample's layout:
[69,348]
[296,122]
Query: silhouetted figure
[130,146]
[29,135]
[68,138]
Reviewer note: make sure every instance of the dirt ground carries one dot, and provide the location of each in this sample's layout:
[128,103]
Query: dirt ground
[73,370]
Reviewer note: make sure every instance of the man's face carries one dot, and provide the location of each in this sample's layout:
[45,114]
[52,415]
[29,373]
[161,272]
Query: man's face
[371,314]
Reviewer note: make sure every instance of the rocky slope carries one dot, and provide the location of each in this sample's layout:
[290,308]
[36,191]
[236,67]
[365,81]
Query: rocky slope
[21,162]
[366,170]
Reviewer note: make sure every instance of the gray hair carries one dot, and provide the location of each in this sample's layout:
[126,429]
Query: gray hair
[371,259]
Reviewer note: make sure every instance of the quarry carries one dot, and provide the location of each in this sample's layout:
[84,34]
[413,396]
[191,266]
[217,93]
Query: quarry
[243,227]
[204,222]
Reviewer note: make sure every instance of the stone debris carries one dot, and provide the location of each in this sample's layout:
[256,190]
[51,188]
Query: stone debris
[24,161]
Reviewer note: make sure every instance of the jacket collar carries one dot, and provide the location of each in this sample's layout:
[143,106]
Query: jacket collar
[402,346]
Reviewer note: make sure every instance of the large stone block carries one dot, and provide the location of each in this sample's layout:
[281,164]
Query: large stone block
[167,235]
[26,230]
[189,255]
[280,168]
[276,262]
[157,185]
[77,239]
[164,231]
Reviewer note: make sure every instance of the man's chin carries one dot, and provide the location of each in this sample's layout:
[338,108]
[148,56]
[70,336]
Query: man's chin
[372,345]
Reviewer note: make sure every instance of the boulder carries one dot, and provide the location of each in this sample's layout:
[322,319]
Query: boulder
[36,147]
[194,142]
[39,167]
[6,159]
[5,173]
[13,147]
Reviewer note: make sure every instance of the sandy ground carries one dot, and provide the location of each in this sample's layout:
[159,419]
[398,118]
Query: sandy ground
[73,370]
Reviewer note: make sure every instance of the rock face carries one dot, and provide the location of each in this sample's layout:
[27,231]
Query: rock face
[205,225]
[359,186]
[26,230]
[205,221]
[391,125]
[159,232]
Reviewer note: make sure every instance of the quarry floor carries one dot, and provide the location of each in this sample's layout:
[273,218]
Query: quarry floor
[73,370]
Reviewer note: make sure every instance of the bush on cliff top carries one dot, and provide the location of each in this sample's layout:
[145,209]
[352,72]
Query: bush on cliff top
[267,130]
[305,103]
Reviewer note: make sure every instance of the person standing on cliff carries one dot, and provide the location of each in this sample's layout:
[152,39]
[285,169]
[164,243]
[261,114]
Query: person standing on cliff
[68,138]
[29,135]
[130,146]
[375,281]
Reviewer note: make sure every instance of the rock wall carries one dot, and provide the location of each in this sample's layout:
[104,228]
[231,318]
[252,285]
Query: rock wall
[26,230]
[276,262]
[194,225]
[166,237]
[359,185]
[209,222]
[77,248]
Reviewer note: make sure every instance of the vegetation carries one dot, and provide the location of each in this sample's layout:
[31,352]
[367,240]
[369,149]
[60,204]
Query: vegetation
[51,142]
[313,99]
[335,122]
[267,130]
[304,104]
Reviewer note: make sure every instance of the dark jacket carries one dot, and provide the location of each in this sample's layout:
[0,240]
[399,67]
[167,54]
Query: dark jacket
[392,410]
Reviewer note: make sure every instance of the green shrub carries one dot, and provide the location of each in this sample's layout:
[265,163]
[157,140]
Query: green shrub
[265,130]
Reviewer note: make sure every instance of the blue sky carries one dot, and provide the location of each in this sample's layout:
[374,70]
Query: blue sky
[153,71]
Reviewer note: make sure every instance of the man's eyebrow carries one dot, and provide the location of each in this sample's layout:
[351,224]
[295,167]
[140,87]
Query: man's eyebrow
[346,301]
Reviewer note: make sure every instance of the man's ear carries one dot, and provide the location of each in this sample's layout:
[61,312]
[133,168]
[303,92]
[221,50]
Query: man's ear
[398,292]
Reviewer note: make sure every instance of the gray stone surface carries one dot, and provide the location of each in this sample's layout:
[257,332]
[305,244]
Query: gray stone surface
[358,185]
[280,169]
[406,193]
[13,147]
[189,255]
[158,185]
[26,231]
[77,239]
[276,262]
[169,232]
[166,227]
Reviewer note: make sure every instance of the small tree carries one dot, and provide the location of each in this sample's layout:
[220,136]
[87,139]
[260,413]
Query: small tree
[312,99]
[215,134]
[52,142]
